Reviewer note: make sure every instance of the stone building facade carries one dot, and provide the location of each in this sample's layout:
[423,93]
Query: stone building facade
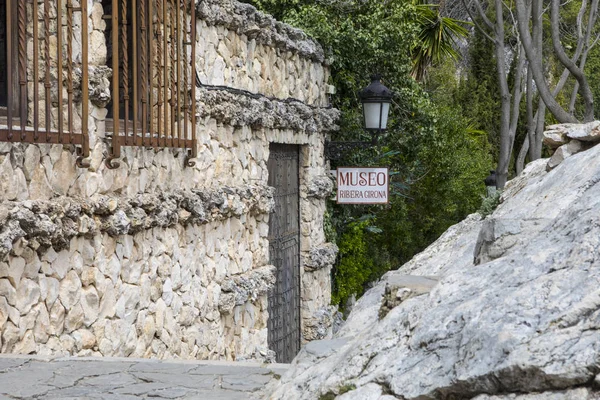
[158,258]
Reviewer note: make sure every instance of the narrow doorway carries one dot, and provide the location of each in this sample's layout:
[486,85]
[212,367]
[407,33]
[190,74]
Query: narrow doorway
[284,251]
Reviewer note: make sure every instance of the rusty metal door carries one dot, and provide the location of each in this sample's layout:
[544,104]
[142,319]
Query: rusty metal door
[284,250]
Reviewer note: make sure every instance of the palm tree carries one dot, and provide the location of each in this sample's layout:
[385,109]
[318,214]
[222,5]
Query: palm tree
[437,38]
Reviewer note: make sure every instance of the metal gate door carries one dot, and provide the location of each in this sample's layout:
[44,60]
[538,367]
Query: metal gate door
[284,250]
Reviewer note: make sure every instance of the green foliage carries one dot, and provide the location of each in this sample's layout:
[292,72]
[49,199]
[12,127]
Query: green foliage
[436,39]
[341,390]
[490,203]
[437,157]
[592,70]
[356,268]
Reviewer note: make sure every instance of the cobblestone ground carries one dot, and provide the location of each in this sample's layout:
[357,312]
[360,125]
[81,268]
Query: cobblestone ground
[110,378]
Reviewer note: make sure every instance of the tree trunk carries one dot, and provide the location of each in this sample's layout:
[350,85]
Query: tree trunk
[505,105]
[520,163]
[535,65]
[586,92]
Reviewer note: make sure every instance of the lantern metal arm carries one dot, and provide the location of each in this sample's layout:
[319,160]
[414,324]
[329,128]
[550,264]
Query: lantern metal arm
[376,100]
[337,150]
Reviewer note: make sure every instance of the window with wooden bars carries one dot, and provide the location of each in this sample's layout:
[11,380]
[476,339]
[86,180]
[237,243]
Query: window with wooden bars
[151,46]
[34,52]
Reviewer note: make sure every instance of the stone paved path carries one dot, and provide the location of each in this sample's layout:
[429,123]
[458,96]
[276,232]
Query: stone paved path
[123,378]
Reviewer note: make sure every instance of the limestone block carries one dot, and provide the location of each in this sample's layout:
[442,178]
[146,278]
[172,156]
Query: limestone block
[90,302]
[32,161]
[555,138]
[167,292]
[74,319]
[57,319]
[145,291]
[8,292]
[61,265]
[565,151]
[28,294]
[42,324]
[64,173]
[132,272]
[70,290]
[108,303]
[589,132]
[26,345]
[4,311]
[16,267]
[84,339]
[128,300]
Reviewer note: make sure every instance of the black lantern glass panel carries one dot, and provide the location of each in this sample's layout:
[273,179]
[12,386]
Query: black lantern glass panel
[376,100]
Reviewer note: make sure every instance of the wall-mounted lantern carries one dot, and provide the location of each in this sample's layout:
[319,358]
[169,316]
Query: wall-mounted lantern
[490,183]
[376,100]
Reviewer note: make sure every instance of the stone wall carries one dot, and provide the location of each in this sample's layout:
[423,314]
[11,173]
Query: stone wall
[156,259]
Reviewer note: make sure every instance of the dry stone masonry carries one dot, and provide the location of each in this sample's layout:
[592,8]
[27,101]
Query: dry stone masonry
[155,259]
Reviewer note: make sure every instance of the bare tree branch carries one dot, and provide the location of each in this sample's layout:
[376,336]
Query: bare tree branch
[534,64]
[577,73]
[474,20]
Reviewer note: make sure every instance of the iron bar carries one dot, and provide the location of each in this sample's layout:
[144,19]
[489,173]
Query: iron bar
[194,149]
[85,82]
[116,150]
[143,70]
[9,71]
[135,62]
[70,68]
[18,78]
[59,64]
[36,72]
[150,73]
[172,70]
[125,64]
[47,84]
[168,139]
[22,48]
[160,23]
[184,53]
[159,37]
[178,55]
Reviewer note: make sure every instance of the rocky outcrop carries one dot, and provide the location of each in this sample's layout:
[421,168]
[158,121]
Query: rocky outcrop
[523,322]
[570,139]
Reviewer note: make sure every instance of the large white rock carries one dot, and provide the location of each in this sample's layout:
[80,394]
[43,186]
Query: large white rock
[525,320]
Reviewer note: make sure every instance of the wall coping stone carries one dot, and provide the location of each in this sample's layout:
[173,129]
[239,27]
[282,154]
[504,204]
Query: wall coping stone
[237,109]
[53,223]
[245,19]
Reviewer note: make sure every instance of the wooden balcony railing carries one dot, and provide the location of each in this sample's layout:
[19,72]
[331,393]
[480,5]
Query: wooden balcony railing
[160,91]
[22,120]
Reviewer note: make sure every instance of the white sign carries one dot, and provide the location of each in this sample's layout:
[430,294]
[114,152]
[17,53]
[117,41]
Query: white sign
[358,185]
